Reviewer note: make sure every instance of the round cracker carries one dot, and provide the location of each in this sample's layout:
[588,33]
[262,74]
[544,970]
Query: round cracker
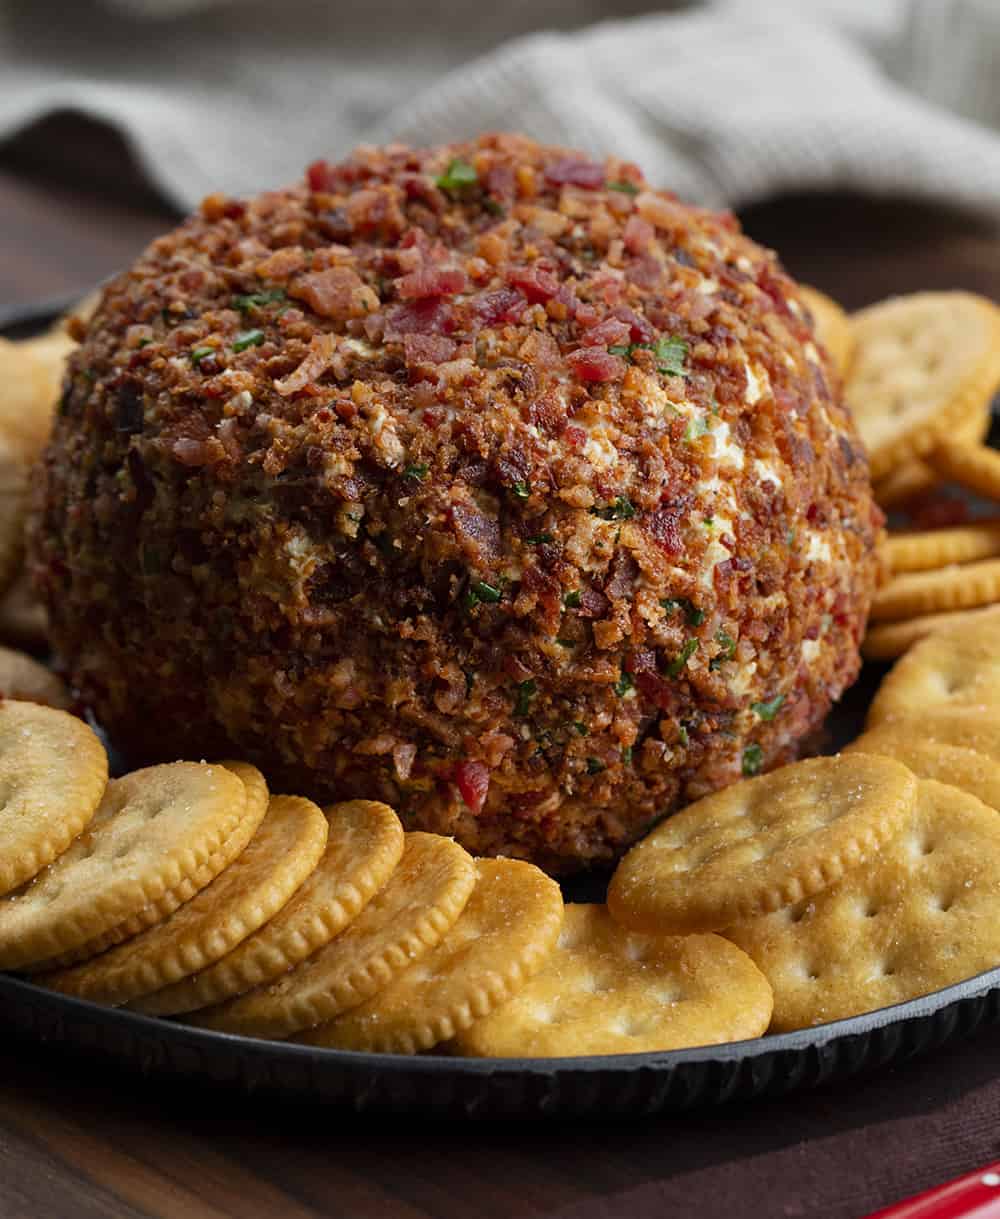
[955,667]
[905,482]
[889,640]
[29,390]
[922,914]
[405,919]
[22,678]
[966,727]
[502,938]
[832,327]
[963,768]
[761,844]
[973,466]
[959,586]
[364,846]
[605,990]
[53,772]
[14,470]
[941,547]
[285,849]
[923,365]
[153,829]
[257,796]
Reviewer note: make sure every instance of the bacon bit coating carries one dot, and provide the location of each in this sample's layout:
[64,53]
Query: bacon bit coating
[484,480]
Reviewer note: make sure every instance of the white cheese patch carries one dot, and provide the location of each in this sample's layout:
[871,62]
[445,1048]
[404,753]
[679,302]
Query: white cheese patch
[599,451]
[359,347]
[740,681]
[810,649]
[708,286]
[726,450]
[818,549]
[766,473]
[715,552]
[383,433]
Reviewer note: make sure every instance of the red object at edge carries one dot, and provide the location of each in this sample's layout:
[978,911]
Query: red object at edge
[975,1196]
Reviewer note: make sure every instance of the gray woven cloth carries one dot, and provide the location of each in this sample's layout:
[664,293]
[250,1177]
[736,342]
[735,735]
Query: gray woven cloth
[725,102]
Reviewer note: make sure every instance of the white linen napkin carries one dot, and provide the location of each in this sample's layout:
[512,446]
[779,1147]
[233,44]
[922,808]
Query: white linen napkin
[725,102]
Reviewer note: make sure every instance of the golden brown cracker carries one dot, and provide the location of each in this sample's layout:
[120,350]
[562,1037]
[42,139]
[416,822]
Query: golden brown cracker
[889,640]
[974,466]
[935,548]
[23,619]
[363,848]
[24,679]
[924,364]
[904,482]
[959,586]
[605,990]
[957,666]
[53,772]
[503,937]
[761,844]
[920,915]
[418,904]
[963,768]
[832,327]
[153,829]
[252,889]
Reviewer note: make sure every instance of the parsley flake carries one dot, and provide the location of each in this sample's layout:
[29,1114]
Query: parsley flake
[526,691]
[624,683]
[457,176]
[626,187]
[539,539]
[621,510]
[694,615]
[416,471]
[572,600]
[753,760]
[627,756]
[670,356]
[522,490]
[581,727]
[201,353]
[728,649]
[481,592]
[595,766]
[248,338]
[257,300]
[768,710]
[677,665]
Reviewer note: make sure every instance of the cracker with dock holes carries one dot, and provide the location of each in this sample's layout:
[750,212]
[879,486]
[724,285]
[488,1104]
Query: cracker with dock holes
[605,990]
[924,365]
[364,845]
[955,667]
[963,768]
[285,849]
[922,914]
[53,772]
[407,917]
[761,844]
[152,831]
[256,792]
[503,937]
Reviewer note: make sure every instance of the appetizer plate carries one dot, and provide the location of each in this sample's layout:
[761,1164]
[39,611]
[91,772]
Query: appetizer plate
[626,1085]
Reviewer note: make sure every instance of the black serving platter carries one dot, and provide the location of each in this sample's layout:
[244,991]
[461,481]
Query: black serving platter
[623,1085]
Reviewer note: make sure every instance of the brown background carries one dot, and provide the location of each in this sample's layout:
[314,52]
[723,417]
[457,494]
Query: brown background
[75,1142]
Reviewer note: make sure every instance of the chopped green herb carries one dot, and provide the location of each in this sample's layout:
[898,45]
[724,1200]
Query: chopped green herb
[627,755]
[572,600]
[626,188]
[676,666]
[565,643]
[789,537]
[522,490]
[143,343]
[694,616]
[621,349]
[470,681]
[670,356]
[539,539]
[526,691]
[697,427]
[709,522]
[621,510]
[728,649]
[580,727]
[457,176]
[682,735]
[248,338]
[416,471]
[768,710]
[594,766]
[753,760]
[624,683]
[481,592]
[494,208]
[257,300]
[201,353]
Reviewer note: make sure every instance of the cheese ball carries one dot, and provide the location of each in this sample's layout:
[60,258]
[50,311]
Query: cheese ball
[485,480]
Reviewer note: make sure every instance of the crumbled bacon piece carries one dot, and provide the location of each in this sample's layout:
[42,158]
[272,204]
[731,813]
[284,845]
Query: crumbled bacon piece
[321,352]
[537,283]
[596,364]
[473,782]
[574,171]
[431,281]
[336,293]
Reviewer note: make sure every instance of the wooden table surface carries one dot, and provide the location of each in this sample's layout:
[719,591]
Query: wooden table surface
[76,1142]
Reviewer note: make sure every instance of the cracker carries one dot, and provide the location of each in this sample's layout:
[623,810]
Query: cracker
[22,678]
[53,772]
[14,471]
[605,990]
[154,829]
[888,640]
[285,849]
[503,937]
[957,666]
[257,797]
[23,619]
[363,848]
[405,919]
[958,586]
[973,466]
[906,481]
[832,327]
[941,547]
[922,914]
[28,394]
[761,844]
[966,727]
[963,768]
[924,364]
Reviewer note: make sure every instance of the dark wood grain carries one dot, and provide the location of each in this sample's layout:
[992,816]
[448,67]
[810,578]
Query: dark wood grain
[78,1143]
